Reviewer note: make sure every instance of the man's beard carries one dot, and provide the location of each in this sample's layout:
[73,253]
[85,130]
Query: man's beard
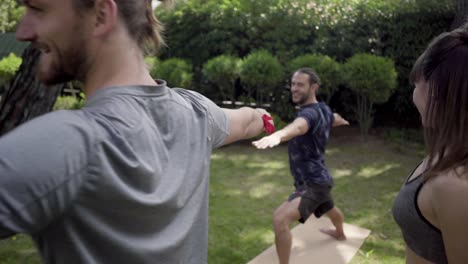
[67,65]
[303,98]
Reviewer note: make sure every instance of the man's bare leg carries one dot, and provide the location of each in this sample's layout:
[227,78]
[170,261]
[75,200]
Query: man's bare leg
[284,215]
[337,218]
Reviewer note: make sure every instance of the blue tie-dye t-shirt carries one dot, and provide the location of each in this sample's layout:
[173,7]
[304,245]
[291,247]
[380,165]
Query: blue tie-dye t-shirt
[306,152]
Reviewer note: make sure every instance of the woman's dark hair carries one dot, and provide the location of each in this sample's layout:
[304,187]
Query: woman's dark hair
[444,67]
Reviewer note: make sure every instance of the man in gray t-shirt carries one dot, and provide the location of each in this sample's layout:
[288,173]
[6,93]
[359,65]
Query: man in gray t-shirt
[125,178]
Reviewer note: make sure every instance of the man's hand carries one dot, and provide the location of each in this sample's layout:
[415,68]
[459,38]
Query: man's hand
[267,142]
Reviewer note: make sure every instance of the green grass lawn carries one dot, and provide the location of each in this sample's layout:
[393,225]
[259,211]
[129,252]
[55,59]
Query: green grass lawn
[18,250]
[248,184]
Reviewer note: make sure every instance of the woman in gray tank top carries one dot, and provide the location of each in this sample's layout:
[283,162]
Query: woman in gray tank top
[432,206]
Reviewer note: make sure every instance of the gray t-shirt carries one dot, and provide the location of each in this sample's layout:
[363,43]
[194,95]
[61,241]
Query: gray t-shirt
[123,180]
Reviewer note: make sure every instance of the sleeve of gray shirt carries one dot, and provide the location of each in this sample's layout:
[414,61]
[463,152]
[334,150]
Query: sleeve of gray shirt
[42,167]
[219,122]
[216,116]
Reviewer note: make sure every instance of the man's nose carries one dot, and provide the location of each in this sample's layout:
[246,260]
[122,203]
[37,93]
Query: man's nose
[25,30]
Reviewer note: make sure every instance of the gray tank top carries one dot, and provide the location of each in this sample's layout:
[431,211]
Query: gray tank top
[419,234]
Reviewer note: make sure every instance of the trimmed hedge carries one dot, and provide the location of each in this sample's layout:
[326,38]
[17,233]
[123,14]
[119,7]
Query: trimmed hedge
[397,29]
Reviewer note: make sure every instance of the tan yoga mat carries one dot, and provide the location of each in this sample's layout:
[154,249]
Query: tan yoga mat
[312,246]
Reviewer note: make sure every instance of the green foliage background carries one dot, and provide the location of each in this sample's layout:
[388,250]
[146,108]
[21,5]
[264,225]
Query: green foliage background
[329,69]
[175,71]
[372,78]
[223,71]
[198,30]
[10,14]
[8,66]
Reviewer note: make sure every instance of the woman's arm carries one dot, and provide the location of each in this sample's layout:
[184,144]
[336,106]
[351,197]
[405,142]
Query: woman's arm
[450,205]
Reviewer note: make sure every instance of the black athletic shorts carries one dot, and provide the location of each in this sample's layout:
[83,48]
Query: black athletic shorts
[315,199]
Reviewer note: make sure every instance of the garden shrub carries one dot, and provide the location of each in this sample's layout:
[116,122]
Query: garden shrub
[152,64]
[198,30]
[69,102]
[373,79]
[8,67]
[261,73]
[176,72]
[223,71]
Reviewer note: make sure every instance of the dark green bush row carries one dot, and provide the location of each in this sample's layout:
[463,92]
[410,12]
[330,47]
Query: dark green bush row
[371,78]
[199,30]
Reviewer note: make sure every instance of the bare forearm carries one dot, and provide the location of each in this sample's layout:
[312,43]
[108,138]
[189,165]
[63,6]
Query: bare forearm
[289,132]
[298,127]
[254,125]
[244,123]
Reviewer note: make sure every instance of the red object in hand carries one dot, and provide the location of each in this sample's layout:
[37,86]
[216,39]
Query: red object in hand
[268,124]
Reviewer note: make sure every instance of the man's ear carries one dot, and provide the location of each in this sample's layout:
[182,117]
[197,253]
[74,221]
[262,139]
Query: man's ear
[106,16]
[315,87]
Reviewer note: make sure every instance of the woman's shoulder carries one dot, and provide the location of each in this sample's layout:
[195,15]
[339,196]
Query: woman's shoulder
[450,188]
[449,178]
[449,193]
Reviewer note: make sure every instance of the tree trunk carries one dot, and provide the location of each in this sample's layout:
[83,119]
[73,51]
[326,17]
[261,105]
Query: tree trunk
[364,115]
[461,15]
[26,96]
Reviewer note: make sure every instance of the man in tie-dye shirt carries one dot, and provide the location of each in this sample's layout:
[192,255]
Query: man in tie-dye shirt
[307,135]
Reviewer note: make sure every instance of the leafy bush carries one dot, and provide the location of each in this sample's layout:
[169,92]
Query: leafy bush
[10,13]
[152,63]
[223,71]
[215,27]
[261,73]
[176,72]
[69,102]
[404,136]
[282,105]
[198,30]
[8,67]
[404,38]
[327,69]
[279,122]
[373,79]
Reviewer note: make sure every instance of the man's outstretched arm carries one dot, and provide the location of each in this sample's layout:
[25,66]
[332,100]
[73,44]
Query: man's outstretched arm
[244,123]
[297,128]
[339,120]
